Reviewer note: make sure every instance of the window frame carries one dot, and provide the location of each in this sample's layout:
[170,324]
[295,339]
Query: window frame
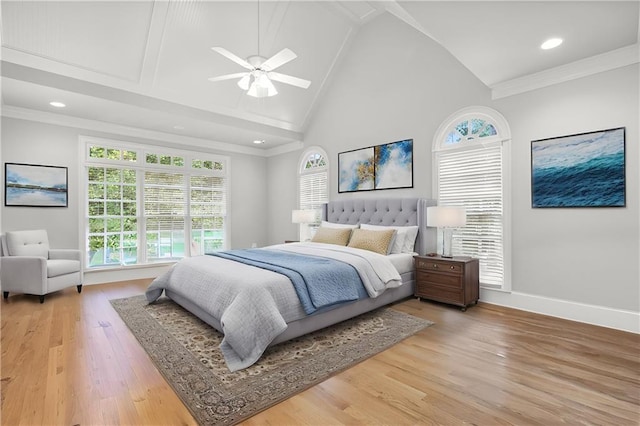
[141,167]
[502,139]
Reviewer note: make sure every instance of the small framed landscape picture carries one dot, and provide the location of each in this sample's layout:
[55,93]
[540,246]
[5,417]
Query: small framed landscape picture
[581,170]
[30,185]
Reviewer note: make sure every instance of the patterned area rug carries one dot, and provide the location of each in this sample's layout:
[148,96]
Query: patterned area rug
[185,350]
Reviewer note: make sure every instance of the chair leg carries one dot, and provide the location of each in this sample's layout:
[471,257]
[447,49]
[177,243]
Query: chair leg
[79,288]
[5,294]
[41,298]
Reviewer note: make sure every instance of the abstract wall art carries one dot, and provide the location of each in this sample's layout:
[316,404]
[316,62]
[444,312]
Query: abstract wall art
[386,166]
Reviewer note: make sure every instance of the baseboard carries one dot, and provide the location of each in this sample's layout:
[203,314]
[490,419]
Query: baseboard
[590,314]
[123,274]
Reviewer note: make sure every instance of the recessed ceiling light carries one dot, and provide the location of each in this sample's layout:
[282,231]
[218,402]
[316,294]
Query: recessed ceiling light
[178,127]
[551,43]
[258,141]
[57,104]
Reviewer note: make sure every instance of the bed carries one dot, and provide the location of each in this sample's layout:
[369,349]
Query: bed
[233,297]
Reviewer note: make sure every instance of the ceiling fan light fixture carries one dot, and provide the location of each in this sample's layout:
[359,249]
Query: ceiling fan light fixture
[244,82]
[262,86]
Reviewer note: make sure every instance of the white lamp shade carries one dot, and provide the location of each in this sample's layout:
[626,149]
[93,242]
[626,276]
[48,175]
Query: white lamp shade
[446,216]
[304,216]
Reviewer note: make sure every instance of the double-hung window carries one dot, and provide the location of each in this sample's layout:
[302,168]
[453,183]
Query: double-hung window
[471,169]
[313,184]
[146,204]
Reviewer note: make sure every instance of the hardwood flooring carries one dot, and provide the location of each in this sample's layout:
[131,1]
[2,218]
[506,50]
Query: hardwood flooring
[72,361]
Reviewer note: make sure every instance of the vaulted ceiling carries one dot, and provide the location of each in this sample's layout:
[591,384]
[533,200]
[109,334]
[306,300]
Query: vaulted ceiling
[141,68]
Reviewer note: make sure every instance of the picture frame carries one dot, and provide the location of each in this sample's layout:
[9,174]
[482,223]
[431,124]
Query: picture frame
[33,185]
[579,170]
[385,166]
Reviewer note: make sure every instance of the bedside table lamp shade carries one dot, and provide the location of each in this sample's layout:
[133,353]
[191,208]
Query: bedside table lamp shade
[306,219]
[446,217]
[303,216]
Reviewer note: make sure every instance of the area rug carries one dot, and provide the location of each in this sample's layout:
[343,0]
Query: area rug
[185,350]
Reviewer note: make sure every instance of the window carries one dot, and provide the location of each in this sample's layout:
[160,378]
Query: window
[313,184]
[471,169]
[147,204]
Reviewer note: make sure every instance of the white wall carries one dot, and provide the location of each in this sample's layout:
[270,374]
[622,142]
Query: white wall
[37,143]
[580,264]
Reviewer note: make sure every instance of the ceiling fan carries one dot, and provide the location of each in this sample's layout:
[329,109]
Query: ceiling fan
[257,81]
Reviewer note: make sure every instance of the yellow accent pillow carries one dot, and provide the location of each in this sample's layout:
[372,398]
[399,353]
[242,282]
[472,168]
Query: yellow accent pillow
[376,241]
[332,236]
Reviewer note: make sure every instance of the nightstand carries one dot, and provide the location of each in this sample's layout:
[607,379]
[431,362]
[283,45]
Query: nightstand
[453,280]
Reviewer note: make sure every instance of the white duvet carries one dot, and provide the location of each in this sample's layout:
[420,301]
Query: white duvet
[254,305]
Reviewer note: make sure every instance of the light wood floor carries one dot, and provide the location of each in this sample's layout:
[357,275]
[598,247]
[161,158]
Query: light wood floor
[72,361]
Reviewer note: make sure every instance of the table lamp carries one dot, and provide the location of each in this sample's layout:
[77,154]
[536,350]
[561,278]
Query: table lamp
[447,218]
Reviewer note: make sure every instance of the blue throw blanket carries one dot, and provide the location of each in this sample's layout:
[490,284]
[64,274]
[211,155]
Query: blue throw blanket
[318,281]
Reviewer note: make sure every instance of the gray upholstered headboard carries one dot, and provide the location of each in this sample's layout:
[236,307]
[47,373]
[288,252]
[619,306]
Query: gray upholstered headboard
[386,211]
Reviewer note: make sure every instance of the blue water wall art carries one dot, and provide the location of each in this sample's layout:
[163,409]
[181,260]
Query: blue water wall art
[580,170]
[31,185]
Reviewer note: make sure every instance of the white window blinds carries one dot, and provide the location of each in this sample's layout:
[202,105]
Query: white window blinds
[473,178]
[313,190]
[164,210]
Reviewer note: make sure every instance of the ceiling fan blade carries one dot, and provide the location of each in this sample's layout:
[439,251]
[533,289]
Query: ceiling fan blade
[228,76]
[238,60]
[280,58]
[288,79]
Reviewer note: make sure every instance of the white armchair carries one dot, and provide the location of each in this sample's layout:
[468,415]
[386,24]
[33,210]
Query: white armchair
[29,266]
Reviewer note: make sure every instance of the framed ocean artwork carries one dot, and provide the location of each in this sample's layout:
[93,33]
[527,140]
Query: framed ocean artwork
[386,166]
[30,185]
[581,170]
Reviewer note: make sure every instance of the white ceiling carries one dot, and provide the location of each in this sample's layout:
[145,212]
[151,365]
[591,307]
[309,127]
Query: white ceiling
[142,67]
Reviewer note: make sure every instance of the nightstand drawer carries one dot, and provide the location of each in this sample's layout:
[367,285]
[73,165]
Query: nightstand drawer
[445,280]
[442,294]
[434,265]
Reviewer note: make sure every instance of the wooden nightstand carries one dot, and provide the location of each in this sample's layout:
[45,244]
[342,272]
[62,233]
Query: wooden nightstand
[451,280]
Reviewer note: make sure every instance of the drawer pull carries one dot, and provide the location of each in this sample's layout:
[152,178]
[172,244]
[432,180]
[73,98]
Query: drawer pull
[435,265]
[451,267]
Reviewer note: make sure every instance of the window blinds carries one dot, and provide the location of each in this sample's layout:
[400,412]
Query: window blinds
[473,178]
[313,190]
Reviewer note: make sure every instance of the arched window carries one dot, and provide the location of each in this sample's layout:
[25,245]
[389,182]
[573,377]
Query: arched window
[471,169]
[313,184]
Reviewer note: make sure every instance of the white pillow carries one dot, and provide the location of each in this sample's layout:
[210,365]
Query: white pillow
[405,237]
[410,239]
[326,224]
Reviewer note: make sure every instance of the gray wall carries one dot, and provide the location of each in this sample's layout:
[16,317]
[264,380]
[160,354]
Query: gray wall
[396,84]
[37,143]
[584,255]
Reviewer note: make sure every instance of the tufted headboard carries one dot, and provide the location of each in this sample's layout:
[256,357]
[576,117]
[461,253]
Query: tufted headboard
[386,211]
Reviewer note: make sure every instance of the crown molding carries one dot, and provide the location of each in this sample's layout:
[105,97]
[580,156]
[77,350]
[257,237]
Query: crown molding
[283,149]
[585,67]
[101,126]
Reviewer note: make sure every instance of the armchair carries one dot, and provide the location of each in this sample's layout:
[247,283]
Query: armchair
[28,265]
